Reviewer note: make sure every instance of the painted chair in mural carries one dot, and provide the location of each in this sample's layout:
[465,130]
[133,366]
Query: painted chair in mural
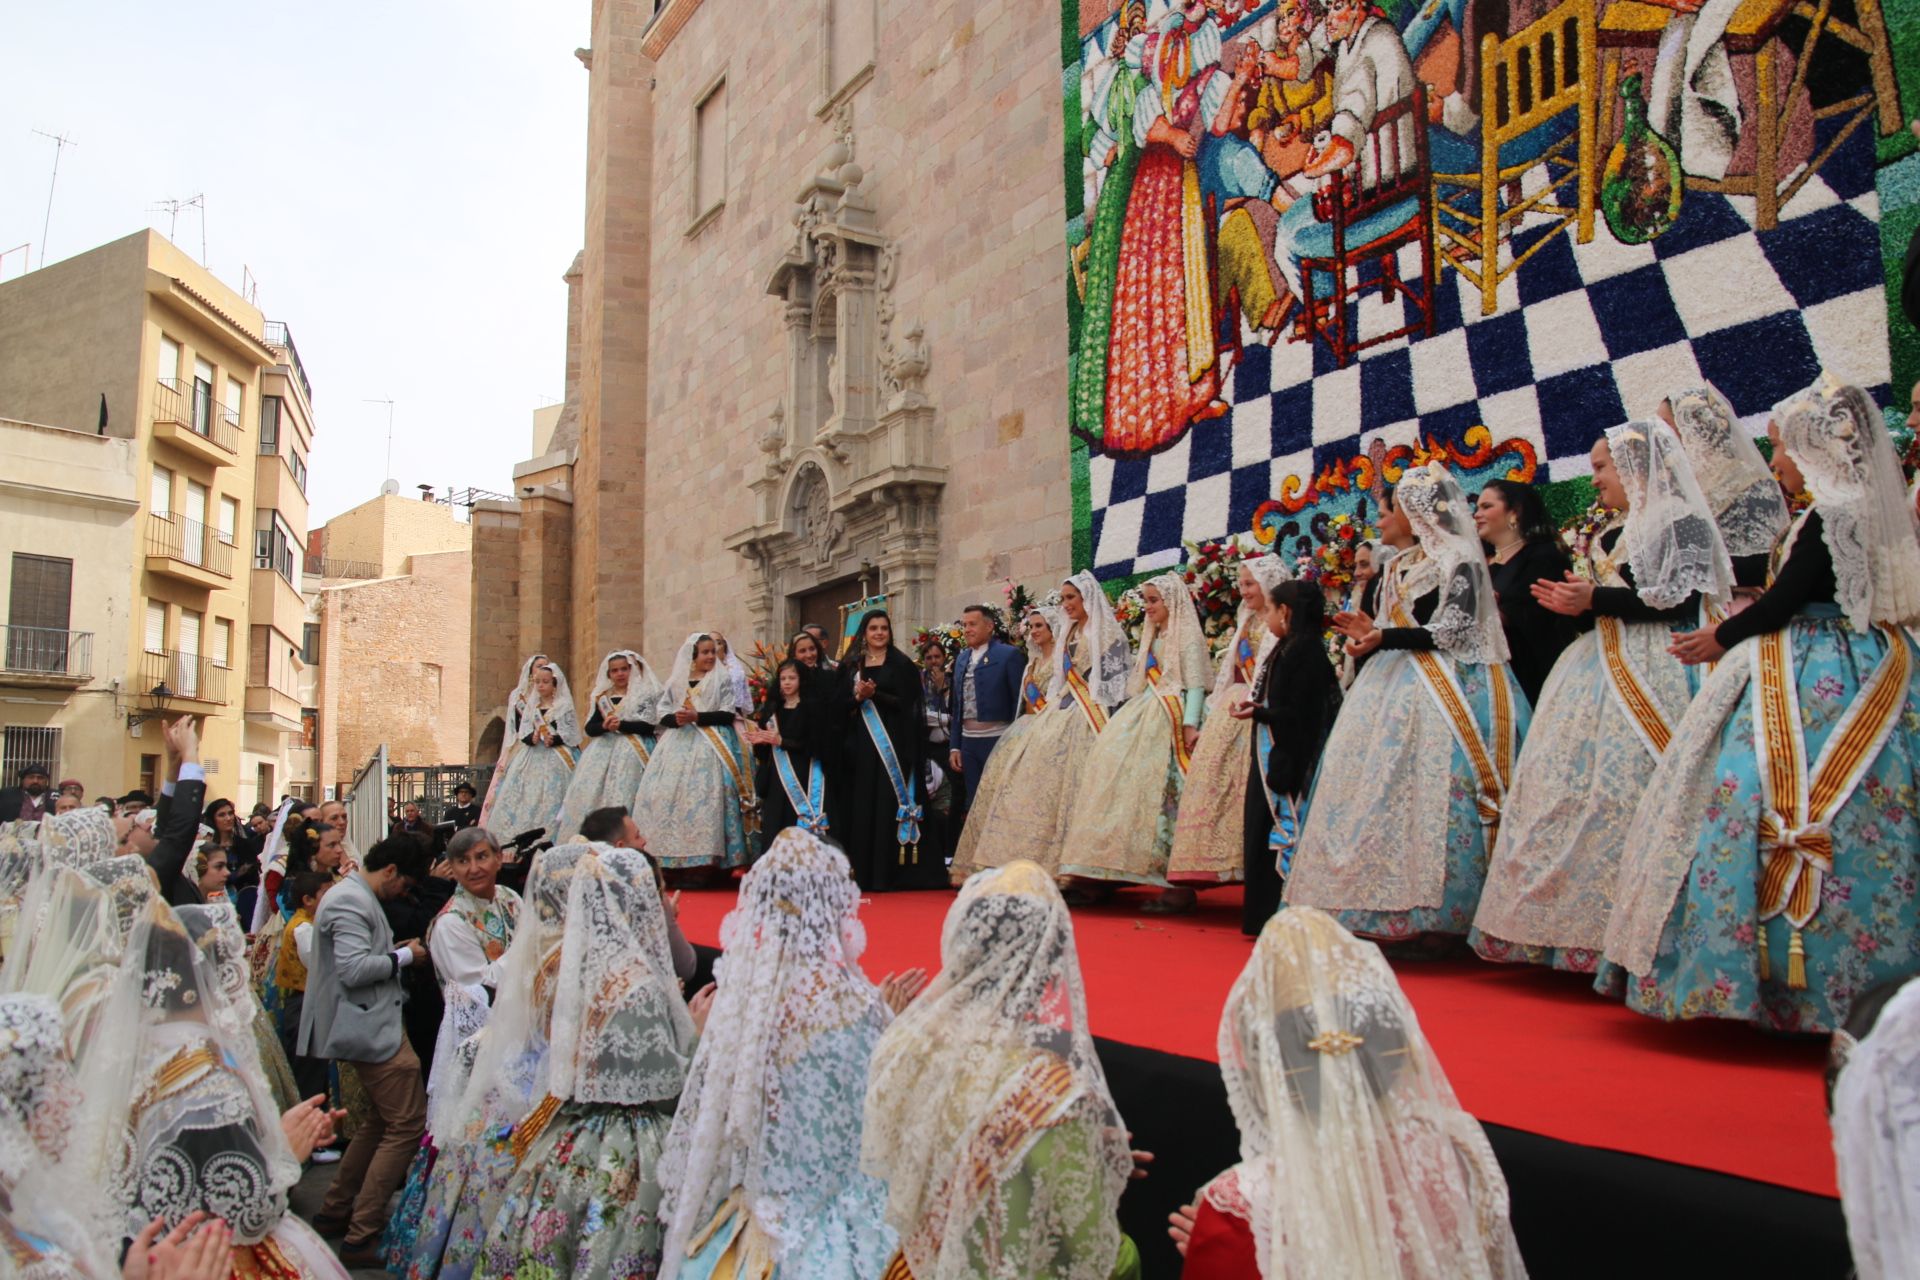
[1538,100]
[1364,215]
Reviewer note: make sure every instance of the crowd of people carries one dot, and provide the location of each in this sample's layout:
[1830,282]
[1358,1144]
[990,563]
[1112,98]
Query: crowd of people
[1682,761]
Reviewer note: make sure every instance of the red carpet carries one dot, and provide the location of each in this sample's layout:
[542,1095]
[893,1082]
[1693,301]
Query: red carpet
[1524,1048]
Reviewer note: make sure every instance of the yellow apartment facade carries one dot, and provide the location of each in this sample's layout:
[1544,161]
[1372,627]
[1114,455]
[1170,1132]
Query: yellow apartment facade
[206,410]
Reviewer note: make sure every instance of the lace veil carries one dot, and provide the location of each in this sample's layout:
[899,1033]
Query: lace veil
[1008,1009]
[1745,498]
[1269,571]
[38,1102]
[1466,622]
[178,1115]
[621,1031]
[1183,651]
[1356,1159]
[67,946]
[1876,1141]
[712,692]
[215,929]
[791,1032]
[518,698]
[644,689]
[1835,435]
[1041,666]
[1109,653]
[1672,542]
[566,718]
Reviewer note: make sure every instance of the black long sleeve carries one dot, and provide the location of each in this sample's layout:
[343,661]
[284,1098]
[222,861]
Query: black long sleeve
[1625,603]
[1413,637]
[174,832]
[1301,695]
[1805,578]
[1751,571]
[595,726]
[713,718]
[1535,634]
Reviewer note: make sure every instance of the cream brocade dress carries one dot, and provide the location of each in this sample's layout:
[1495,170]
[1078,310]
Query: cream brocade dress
[1026,814]
[1007,760]
[1207,833]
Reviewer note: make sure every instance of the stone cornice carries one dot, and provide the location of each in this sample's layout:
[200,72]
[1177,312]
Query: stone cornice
[666,25]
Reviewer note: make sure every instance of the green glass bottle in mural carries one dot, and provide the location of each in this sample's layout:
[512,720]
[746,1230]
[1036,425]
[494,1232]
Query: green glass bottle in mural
[1641,186]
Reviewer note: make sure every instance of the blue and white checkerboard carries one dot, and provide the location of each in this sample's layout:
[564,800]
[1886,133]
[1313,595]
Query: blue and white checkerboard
[1585,336]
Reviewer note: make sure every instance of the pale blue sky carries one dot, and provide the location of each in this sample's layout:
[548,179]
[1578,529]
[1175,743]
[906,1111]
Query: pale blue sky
[404,179]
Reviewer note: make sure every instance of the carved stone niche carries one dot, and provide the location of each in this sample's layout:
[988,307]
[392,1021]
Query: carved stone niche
[847,475]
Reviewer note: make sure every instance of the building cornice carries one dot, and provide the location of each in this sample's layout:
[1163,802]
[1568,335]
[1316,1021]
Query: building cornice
[666,25]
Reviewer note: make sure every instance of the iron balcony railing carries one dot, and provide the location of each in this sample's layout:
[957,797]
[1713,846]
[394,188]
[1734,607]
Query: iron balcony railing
[48,651]
[325,567]
[192,407]
[189,542]
[276,334]
[168,675]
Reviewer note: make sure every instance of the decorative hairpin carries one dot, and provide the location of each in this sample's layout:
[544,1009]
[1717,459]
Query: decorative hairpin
[1336,1042]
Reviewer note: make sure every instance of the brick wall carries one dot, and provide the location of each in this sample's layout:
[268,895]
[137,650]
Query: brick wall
[494,635]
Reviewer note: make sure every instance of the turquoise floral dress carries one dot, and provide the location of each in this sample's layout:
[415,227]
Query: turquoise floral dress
[469,1179]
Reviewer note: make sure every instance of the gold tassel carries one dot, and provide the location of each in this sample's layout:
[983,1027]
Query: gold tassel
[1796,963]
[1766,963]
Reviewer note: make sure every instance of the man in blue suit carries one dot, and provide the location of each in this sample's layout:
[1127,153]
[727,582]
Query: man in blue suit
[984,695]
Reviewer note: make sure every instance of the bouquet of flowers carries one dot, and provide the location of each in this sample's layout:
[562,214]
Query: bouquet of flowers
[1330,562]
[761,665]
[1130,610]
[1212,574]
[1580,535]
[949,637]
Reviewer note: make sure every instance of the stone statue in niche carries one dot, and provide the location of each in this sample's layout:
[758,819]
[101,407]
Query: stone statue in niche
[773,441]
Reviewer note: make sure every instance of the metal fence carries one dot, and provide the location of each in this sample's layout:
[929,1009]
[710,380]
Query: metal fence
[192,406]
[431,786]
[189,542]
[47,651]
[367,803]
[166,674]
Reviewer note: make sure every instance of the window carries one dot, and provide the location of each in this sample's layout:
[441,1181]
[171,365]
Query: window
[710,150]
[156,627]
[310,643]
[39,608]
[269,424]
[149,774]
[188,682]
[193,526]
[220,651]
[297,465]
[274,547]
[160,493]
[236,400]
[202,397]
[169,371]
[23,745]
[229,519]
[849,43]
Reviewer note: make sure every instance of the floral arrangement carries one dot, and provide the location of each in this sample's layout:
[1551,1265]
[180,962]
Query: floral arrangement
[948,636]
[1580,533]
[761,665]
[1212,574]
[1130,610]
[1330,560]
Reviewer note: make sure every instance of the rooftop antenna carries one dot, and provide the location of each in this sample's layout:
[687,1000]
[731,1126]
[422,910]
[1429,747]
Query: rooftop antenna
[172,209]
[389,405]
[26,256]
[60,143]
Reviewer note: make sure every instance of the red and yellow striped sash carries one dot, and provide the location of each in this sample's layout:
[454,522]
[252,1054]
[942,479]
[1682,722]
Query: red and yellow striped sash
[742,780]
[1795,837]
[1181,756]
[1642,711]
[1083,698]
[1492,763]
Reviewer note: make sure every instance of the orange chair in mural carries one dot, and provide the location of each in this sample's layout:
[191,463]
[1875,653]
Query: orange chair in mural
[1538,99]
[1374,208]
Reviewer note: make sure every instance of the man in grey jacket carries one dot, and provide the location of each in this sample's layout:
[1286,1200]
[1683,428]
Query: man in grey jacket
[352,1013]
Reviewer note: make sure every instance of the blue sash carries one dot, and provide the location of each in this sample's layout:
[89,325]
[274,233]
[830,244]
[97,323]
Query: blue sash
[809,806]
[908,814]
[1285,809]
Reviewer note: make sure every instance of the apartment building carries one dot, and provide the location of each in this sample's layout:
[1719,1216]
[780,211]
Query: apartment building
[155,544]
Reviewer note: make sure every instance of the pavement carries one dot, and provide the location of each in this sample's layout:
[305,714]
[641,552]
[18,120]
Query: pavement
[306,1197]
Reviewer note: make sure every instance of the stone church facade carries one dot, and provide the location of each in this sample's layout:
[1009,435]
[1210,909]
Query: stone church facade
[815,334]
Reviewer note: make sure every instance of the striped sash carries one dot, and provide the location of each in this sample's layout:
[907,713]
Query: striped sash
[1083,698]
[1642,712]
[736,770]
[1799,804]
[1492,763]
[1181,756]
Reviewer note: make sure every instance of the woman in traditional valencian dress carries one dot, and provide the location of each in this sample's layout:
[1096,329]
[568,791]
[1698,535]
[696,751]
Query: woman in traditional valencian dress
[1609,708]
[1206,835]
[987,1112]
[1121,827]
[696,796]
[1356,1159]
[624,706]
[1015,756]
[1091,661]
[487,1085]
[1744,497]
[882,727]
[178,1119]
[1770,872]
[544,731]
[584,1199]
[763,1160]
[1396,837]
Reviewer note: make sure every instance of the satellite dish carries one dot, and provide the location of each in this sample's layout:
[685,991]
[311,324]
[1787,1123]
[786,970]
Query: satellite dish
[390,488]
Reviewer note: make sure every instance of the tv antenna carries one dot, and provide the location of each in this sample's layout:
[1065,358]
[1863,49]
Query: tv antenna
[60,143]
[172,209]
[389,405]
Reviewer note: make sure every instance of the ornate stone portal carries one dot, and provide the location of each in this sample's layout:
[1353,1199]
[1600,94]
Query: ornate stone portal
[848,477]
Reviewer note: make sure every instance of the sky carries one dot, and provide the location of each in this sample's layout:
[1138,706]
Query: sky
[404,180]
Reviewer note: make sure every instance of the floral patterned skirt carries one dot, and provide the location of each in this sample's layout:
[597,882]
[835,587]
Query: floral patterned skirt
[463,1192]
[1208,833]
[1120,827]
[608,773]
[1714,957]
[1020,809]
[403,1228]
[531,792]
[585,1201]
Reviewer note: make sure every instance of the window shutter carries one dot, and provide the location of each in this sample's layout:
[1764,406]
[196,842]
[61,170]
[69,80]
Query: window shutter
[41,593]
[156,626]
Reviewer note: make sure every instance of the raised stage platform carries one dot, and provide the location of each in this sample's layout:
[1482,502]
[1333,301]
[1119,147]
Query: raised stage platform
[1630,1146]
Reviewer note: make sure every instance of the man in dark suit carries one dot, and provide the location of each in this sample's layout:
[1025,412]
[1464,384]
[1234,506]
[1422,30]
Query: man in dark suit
[168,844]
[463,812]
[984,694]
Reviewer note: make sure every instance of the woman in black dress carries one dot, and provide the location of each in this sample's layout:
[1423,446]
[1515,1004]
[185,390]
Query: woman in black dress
[883,846]
[1523,548]
[792,721]
[1294,700]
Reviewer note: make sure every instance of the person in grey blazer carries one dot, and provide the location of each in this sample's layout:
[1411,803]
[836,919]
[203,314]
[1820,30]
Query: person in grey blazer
[984,695]
[352,1013]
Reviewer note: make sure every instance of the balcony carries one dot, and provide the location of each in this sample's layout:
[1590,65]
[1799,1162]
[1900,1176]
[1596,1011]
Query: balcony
[181,682]
[186,416]
[45,658]
[188,550]
[276,334]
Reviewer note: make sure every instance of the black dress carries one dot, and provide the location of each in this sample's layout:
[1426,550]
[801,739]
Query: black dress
[1535,633]
[1297,696]
[1625,603]
[801,729]
[866,813]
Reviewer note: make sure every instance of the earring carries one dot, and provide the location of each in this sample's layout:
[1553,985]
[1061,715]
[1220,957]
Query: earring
[1512,523]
